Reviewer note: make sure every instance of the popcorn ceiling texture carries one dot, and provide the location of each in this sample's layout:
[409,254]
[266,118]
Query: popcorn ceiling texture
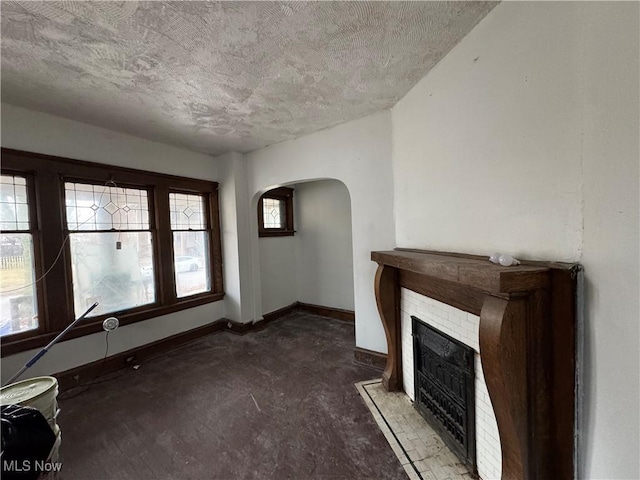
[221,76]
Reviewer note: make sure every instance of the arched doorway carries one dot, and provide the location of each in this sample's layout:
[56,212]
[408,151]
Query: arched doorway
[314,265]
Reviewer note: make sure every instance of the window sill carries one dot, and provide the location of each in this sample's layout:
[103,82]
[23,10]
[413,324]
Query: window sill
[10,346]
[277,233]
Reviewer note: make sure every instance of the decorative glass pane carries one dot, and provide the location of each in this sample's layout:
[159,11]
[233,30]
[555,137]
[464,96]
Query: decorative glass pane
[191,262]
[18,305]
[114,269]
[273,213]
[100,207]
[187,211]
[14,210]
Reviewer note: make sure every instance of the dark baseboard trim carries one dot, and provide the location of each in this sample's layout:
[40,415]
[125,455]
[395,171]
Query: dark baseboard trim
[370,358]
[336,313]
[238,328]
[84,374]
[276,314]
[327,312]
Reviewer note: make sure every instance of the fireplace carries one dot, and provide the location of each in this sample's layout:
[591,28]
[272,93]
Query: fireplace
[525,346]
[464,328]
[444,377]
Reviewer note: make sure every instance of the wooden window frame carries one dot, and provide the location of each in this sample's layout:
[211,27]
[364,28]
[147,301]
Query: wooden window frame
[46,176]
[36,238]
[282,193]
[210,232]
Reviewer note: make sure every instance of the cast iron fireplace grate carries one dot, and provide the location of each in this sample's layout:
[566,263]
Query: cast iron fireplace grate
[445,388]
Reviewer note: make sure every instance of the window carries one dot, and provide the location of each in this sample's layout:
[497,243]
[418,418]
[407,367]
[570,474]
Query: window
[275,213]
[190,243]
[111,247]
[139,243]
[17,268]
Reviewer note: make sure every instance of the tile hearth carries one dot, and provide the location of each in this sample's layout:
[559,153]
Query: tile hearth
[420,450]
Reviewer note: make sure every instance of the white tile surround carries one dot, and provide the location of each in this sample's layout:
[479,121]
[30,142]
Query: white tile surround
[464,327]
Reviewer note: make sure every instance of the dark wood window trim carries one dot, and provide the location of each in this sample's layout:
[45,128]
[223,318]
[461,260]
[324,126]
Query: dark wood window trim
[37,242]
[46,176]
[210,231]
[285,194]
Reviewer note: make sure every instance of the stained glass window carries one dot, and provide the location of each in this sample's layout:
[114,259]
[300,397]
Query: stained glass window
[19,312]
[111,247]
[187,211]
[273,213]
[14,209]
[102,207]
[190,244]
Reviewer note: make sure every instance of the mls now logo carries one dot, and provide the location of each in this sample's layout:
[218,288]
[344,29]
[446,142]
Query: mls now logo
[28,466]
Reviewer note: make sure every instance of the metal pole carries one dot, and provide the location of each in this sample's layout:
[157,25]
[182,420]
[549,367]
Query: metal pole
[42,352]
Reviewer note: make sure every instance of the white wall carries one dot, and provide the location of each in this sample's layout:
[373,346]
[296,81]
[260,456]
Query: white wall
[358,154]
[524,139]
[324,253]
[38,132]
[487,146]
[278,266]
[610,430]
[80,351]
[234,223]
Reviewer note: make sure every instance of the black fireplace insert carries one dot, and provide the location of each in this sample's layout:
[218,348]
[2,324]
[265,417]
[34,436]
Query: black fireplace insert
[444,376]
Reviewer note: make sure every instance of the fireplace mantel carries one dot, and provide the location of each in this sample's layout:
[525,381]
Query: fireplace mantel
[527,345]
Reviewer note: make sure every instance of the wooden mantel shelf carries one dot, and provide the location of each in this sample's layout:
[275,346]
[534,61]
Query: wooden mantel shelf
[527,345]
[467,270]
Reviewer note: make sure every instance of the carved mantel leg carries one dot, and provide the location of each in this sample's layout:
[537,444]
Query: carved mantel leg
[504,363]
[388,299]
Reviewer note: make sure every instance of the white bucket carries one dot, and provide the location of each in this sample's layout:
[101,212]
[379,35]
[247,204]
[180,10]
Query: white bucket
[54,455]
[39,393]
[54,458]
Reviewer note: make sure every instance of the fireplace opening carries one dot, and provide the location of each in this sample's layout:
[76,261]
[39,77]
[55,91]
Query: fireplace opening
[444,376]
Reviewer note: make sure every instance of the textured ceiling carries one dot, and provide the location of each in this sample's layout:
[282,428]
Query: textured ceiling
[221,76]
